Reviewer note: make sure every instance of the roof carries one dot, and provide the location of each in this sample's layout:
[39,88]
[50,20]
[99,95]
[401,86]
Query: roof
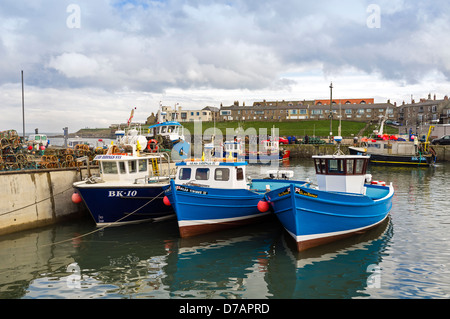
[165,124]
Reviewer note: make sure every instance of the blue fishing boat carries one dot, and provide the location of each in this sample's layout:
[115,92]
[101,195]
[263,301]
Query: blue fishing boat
[344,202]
[212,195]
[129,188]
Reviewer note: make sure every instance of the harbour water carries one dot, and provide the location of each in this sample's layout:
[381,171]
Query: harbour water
[406,257]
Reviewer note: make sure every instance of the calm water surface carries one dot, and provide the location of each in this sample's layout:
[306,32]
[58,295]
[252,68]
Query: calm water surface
[406,257]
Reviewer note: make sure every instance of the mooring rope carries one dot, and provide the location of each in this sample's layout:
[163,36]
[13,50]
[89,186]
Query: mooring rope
[109,224]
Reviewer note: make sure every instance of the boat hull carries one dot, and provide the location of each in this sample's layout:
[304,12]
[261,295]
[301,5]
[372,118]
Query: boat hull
[201,210]
[398,160]
[313,217]
[119,205]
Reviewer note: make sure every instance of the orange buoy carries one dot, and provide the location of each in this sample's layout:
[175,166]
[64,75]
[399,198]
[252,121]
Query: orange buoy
[166,201]
[76,198]
[263,206]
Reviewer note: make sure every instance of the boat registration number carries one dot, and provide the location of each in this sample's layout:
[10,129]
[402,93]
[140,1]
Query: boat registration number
[130,193]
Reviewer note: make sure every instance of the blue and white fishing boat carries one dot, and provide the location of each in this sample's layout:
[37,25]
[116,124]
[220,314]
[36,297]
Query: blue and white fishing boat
[345,201]
[129,188]
[212,195]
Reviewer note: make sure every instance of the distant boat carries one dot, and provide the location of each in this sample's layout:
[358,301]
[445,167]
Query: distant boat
[213,195]
[269,150]
[39,139]
[393,152]
[344,202]
[171,130]
[169,135]
[390,150]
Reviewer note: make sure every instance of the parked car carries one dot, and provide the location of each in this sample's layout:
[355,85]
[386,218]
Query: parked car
[444,140]
[283,140]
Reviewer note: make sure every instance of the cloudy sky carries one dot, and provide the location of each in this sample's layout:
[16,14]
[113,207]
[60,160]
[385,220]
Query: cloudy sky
[88,63]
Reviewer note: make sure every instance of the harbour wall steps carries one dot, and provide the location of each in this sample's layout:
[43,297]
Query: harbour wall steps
[35,198]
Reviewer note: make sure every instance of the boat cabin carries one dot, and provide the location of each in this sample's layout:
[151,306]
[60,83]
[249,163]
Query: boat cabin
[38,139]
[214,174]
[270,146]
[137,169]
[235,148]
[341,173]
[171,130]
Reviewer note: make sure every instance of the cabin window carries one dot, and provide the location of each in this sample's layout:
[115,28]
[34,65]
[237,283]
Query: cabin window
[359,169]
[335,166]
[109,167]
[239,174]
[320,166]
[202,174]
[142,165]
[222,174]
[185,174]
[350,166]
[122,169]
[132,167]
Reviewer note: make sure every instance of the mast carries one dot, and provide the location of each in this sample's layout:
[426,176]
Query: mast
[23,109]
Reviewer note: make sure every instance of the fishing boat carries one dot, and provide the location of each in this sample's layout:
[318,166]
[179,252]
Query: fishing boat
[170,136]
[269,151]
[345,201]
[390,150]
[215,194]
[129,188]
[393,152]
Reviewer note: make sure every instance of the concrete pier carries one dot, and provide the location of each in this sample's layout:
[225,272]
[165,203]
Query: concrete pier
[34,198]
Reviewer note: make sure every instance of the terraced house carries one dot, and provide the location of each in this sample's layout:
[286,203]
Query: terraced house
[425,112]
[349,109]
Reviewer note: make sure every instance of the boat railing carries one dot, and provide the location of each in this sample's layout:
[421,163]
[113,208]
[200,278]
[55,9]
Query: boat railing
[161,171]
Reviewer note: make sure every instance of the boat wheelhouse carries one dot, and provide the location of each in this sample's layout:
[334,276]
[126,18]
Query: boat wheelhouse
[171,130]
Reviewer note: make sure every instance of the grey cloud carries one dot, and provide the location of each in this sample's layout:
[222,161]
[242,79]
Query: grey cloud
[154,45]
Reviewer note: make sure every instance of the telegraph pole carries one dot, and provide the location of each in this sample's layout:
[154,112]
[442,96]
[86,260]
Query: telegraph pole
[331,111]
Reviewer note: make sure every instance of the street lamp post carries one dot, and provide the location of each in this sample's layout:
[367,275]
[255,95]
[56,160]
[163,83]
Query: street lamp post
[331,112]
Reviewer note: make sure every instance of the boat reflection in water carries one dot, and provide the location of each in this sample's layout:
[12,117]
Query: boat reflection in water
[342,269]
[117,263]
